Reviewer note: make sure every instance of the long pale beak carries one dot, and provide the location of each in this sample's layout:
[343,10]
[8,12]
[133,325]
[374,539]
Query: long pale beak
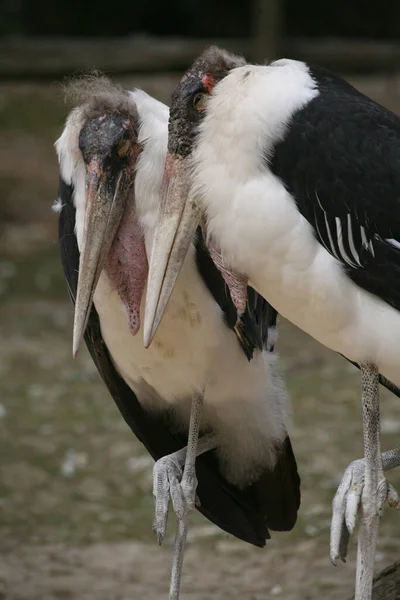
[104,209]
[178,221]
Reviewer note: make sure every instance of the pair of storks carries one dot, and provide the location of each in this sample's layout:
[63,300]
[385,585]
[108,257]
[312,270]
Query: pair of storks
[283,177]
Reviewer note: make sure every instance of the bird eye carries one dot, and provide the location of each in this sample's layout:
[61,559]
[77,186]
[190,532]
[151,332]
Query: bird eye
[199,101]
[122,148]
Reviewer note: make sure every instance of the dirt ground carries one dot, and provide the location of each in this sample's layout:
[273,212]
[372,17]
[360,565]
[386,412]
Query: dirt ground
[75,485]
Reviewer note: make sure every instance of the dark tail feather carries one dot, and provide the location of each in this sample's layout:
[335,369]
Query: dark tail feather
[271,502]
[232,509]
[277,492]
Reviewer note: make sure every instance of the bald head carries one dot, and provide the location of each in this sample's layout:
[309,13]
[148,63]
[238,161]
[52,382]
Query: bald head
[190,96]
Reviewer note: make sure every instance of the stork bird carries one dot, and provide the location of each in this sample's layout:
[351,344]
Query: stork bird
[111,154]
[296,176]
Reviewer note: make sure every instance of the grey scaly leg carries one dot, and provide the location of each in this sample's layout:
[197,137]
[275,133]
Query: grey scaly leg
[348,498]
[188,486]
[167,475]
[375,489]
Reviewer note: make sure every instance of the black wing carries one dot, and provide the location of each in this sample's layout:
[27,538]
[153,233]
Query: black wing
[277,492]
[236,511]
[340,160]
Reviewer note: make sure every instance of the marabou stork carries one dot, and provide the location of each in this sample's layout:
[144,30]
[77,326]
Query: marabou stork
[112,154]
[296,176]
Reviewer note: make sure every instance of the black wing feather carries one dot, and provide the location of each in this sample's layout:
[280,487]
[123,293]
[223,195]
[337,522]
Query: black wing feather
[236,511]
[340,160]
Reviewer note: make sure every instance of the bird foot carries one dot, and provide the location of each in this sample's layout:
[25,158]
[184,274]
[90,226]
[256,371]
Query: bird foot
[352,494]
[169,484]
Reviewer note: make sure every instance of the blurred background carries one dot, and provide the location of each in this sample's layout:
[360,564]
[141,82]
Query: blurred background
[75,485]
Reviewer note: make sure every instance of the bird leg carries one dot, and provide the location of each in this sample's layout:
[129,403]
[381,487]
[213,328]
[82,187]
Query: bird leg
[188,486]
[348,498]
[375,489]
[168,481]
[167,475]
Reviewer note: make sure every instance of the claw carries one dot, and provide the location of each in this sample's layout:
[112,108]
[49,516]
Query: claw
[343,545]
[339,532]
[352,504]
[166,475]
[169,485]
[345,507]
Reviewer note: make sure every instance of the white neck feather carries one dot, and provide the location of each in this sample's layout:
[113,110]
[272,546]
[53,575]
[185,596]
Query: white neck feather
[72,167]
[248,112]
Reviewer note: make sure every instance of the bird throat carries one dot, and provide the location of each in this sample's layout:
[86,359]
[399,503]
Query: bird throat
[127,266]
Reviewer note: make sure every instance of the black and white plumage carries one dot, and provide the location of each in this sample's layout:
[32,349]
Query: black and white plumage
[297,177]
[354,209]
[249,484]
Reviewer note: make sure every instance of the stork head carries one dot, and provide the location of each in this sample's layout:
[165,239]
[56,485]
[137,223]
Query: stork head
[189,99]
[109,148]
[180,216]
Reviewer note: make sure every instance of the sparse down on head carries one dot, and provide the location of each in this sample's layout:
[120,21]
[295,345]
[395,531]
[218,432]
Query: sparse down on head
[180,216]
[107,140]
[188,100]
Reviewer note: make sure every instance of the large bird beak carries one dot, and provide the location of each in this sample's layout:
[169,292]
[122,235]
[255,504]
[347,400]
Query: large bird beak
[178,222]
[104,208]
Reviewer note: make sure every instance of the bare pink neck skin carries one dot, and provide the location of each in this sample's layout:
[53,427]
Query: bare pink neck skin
[127,266]
[236,282]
